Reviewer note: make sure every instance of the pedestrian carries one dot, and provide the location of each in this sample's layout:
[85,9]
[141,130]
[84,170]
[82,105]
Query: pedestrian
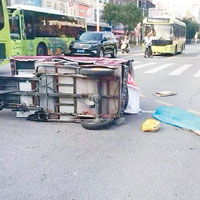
[148,43]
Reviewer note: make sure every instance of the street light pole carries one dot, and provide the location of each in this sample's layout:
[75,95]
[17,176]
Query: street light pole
[97,15]
[138,3]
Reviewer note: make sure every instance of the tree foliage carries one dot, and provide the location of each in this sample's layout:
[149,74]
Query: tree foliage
[129,15]
[192,27]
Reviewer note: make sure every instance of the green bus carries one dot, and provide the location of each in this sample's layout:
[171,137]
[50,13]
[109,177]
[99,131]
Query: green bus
[5,42]
[168,34]
[29,31]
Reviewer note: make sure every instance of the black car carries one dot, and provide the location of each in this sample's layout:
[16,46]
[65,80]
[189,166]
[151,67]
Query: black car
[95,44]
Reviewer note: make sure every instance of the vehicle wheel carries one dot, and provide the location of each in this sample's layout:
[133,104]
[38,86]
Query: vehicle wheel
[114,54]
[94,124]
[41,50]
[145,53]
[101,53]
[175,50]
[148,53]
[97,71]
[182,49]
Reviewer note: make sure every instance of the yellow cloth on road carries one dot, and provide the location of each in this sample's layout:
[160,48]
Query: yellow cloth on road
[150,125]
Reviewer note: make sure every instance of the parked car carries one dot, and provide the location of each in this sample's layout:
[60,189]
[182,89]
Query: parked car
[96,44]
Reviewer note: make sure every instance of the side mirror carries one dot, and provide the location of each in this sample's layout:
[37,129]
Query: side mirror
[16,13]
[77,37]
[104,39]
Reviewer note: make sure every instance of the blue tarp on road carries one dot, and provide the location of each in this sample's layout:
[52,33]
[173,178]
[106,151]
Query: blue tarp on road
[177,117]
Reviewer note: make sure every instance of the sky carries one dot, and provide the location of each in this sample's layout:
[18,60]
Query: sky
[181,8]
[178,3]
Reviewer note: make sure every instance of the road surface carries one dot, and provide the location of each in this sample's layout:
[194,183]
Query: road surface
[51,161]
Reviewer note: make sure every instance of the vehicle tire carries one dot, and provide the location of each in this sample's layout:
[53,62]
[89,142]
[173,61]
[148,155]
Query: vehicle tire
[41,50]
[147,53]
[93,124]
[97,71]
[175,50]
[101,53]
[182,48]
[114,54]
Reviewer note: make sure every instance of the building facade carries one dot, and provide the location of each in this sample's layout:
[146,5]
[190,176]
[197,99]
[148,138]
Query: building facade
[82,8]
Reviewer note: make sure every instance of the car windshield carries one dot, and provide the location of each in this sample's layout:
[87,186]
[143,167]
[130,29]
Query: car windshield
[91,36]
[163,31]
[1,16]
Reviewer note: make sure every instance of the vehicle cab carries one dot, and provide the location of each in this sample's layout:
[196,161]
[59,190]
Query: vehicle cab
[4,35]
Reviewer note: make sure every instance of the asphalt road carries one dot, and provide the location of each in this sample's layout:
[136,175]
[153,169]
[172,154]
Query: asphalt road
[51,161]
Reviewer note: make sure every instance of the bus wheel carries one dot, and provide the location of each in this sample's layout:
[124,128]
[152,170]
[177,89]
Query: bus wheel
[41,50]
[175,50]
[182,48]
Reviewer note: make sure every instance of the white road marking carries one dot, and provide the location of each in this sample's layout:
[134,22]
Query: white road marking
[194,112]
[154,70]
[136,62]
[138,54]
[142,95]
[197,74]
[147,111]
[164,103]
[180,70]
[144,65]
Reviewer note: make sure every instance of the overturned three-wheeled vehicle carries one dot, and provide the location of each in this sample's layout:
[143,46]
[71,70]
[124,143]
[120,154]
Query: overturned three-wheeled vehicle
[92,91]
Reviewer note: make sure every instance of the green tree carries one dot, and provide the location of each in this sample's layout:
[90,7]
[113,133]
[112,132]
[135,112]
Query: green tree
[192,27]
[111,14]
[129,15]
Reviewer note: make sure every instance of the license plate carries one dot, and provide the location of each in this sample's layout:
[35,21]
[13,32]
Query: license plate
[80,51]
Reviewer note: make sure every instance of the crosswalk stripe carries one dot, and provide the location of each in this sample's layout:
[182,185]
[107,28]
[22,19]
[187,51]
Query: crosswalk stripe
[154,70]
[180,70]
[144,65]
[138,54]
[197,74]
[136,62]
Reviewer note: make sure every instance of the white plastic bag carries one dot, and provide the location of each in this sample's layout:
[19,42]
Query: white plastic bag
[133,106]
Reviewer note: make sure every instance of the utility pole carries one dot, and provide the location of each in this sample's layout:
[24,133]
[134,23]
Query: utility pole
[138,3]
[97,15]
[143,6]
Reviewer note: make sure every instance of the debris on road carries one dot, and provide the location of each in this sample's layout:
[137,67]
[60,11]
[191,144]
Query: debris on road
[133,106]
[178,117]
[165,93]
[150,125]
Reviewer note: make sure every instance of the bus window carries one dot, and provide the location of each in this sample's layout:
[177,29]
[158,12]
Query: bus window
[29,28]
[41,25]
[14,27]
[63,26]
[1,16]
[159,30]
